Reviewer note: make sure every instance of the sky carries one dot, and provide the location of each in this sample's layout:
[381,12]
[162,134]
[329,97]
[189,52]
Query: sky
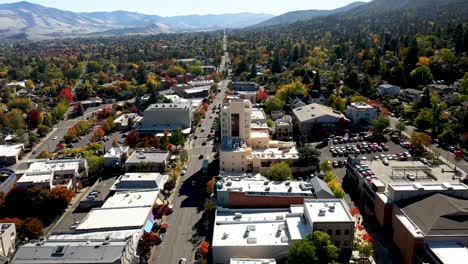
[189,7]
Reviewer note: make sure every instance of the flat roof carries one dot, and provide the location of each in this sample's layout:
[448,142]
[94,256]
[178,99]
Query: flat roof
[11,150]
[256,227]
[116,151]
[313,111]
[259,134]
[252,186]
[275,153]
[257,114]
[96,236]
[448,252]
[140,181]
[131,199]
[396,172]
[156,156]
[251,261]
[115,218]
[53,165]
[327,210]
[173,105]
[433,186]
[197,89]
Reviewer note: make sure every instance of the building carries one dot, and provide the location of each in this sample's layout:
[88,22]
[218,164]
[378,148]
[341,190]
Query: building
[373,177]
[114,157]
[180,88]
[147,160]
[236,120]
[122,122]
[7,180]
[268,233]
[388,89]
[7,239]
[197,92]
[96,251]
[251,261]
[201,83]
[245,140]
[139,182]
[318,97]
[440,88]
[362,114]
[170,116]
[247,95]
[244,86]
[207,69]
[412,95]
[296,103]
[317,119]
[427,221]
[48,173]
[238,192]
[284,128]
[10,154]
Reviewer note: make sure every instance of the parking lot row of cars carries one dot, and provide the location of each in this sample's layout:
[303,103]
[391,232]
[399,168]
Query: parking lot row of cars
[357,149]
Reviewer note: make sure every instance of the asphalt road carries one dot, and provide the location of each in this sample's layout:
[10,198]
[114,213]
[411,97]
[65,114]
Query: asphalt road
[188,197]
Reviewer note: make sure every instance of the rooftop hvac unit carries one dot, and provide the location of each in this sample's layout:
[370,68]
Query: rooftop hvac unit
[322,211]
[237,215]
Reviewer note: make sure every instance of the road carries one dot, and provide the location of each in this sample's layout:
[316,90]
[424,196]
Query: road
[188,199]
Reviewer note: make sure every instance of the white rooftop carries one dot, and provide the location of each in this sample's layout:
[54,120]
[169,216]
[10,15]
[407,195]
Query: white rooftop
[361,105]
[116,151]
[173,105]
[259,134]
[11,150]
[450,252]
[251,261]
[275,153]
[115,218]
[257,114]
[131,199]
[53,165]
[327,210]
[286,188]
[139,181]
[113,234]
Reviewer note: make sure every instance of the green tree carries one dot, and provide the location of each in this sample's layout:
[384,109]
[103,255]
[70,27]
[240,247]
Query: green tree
[313,249]
[196,70]
[273,103]
[380,124]
[279,172]
[329,176]
[325,166]
[316,85]
[421,75]
[309,156]
[365,249]
[327,252]
[400,126]
[302,251]
[177,138]
[424,120]
[142,75]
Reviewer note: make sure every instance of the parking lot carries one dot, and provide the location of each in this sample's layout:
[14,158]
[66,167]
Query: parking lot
[337,152]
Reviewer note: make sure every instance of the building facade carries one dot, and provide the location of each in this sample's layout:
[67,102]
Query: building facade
[7,239]
[170,116]
[362,114]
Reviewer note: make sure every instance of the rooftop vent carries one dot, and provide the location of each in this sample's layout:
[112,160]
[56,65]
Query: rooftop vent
[59,251]
[225,236]
[322,211]
[251,228]
[237,216]
[284,239]
[252,240]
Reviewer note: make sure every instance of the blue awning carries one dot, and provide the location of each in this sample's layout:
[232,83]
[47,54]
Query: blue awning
[148,226]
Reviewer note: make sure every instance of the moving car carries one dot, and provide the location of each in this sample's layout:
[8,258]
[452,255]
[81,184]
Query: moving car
[182,261]
[54,138]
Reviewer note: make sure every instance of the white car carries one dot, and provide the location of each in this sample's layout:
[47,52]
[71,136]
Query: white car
[183,172]
[182,260]
[54,138]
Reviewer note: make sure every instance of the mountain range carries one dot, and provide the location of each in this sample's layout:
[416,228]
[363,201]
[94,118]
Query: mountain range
[301,15]
[24,20]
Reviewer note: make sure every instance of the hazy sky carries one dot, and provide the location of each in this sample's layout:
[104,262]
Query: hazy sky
[187,7]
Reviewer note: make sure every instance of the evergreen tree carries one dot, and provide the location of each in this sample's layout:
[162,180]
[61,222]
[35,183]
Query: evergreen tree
[276,65]
[253,70]
[316,86]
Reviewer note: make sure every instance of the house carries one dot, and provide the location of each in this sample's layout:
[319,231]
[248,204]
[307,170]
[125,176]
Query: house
[170,116]
[147,160]
[122,122]
[412,95]
[268,233]
[317,119]
[362,114]
[440,88]
[207,69]
[114,157]
[10,154]
[244,86]
[276,115]
[318,97]
[7,239]
[388,89]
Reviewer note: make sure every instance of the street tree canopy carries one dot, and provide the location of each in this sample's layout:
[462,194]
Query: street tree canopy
[279,172]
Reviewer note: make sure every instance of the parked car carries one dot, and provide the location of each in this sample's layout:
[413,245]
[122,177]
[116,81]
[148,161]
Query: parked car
[54,138]
[182,261]
[410,176]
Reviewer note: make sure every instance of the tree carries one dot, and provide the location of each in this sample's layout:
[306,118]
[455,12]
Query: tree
[421,75]
[309,156]
[279,172]
[365,249]
[326,251]
[210,186]
[325,166]
[316,85]
[16,121]
[33,118]
[420,140]
[313,249]
[273,104]
[132,139]
[59,198]
[45,154]
[329,176]
[400,126]
[43,130]
[262,95]
[204,248]
[287,91]
[169,185]
[177,138]
[66,94]
[276,64]
[78,109]
[31,228]
[424,120]
[141,76]
[380,124]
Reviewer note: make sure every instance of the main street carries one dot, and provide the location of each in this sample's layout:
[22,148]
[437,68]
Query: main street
[188,196]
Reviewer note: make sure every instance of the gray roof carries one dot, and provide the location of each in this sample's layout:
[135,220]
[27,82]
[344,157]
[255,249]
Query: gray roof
[80,253]
[321,188]
[437,214]
[412,91]
[313,111]
[157,156]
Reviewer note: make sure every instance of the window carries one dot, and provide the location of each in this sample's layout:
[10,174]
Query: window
[346,232]
[329,232]
[338,232]
[235,125]
[337,243]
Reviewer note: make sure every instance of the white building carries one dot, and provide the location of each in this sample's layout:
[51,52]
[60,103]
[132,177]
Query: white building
[51,173]
[268,233]
[7,239]
[121,122]
[170,116]
[140,182]
[147,160]
[236,120]
[362,113]
[114,156]
[10,154]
